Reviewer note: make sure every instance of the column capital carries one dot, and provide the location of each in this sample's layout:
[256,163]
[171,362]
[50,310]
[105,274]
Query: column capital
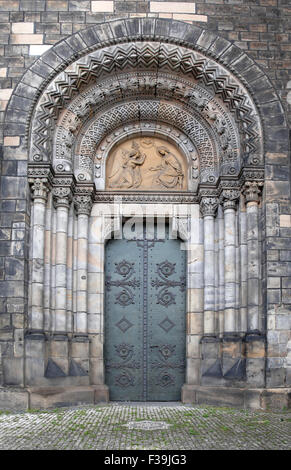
[83,203]
[62,196]
[39,188]
[252,191]
[208,205]
[229,198]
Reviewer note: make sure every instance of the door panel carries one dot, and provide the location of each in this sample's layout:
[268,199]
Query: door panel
[145,319]
[166,320]
[124,320]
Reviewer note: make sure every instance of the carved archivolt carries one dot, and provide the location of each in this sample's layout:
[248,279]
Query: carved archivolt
[215,104]
[156,113]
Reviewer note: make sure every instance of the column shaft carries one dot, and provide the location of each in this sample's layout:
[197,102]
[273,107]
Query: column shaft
[208,208]
[70,271]
[39,190]
[47,265]
[244,272]
[221,270]
[62,198]
[229,270]
[253,266]
[252,194]
[83,206]
[81,325]
[61,268]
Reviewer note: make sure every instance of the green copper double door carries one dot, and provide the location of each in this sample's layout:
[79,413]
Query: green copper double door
[145,310]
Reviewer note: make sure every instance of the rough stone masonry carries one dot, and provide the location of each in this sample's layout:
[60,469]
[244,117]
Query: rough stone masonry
[210,78]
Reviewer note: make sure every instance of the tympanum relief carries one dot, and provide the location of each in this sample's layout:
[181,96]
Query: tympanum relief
[145,163]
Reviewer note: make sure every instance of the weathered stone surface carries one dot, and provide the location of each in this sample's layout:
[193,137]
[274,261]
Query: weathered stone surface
[243,262]
[13,399]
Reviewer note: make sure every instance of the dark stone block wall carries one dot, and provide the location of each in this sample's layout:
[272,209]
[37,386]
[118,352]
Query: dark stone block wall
[261,28]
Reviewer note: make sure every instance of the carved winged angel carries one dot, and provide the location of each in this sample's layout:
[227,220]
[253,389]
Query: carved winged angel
[128,175]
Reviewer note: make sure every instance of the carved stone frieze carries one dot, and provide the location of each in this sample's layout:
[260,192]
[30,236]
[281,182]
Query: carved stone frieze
[181,61]
[35,170]
[251,174]
[149,83]
[152,198]
[202,138]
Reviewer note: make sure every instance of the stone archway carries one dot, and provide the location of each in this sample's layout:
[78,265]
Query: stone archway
[146,78]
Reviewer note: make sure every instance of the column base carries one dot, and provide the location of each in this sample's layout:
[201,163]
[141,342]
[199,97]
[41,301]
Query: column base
[255,398]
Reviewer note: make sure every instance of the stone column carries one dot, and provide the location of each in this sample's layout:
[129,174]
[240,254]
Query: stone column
[208,208]
[210,343]
[244,271]
[233,365]
[39,195]
[255,339]
[62,199]
[34,339]
[252,193]
[229,200]
[83,206]
[221,293]
[47,265]
[70,271]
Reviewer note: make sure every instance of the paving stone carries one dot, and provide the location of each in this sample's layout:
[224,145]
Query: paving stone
[149,426]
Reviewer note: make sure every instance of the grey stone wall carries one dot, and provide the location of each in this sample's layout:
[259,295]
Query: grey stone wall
[258,27]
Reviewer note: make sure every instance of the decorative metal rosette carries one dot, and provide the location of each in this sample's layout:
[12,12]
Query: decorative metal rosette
[166,268]
[124,350]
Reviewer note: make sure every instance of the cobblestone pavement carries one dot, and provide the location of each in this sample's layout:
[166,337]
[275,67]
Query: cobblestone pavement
[145,426]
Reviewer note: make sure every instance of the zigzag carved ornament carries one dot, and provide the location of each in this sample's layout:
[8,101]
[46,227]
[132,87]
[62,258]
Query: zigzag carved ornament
[149,56]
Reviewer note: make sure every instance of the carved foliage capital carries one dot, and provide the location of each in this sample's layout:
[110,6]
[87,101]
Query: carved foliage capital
[208,205]
[62,196]
[252,191]
[229,198]
[39,188]
[83,203]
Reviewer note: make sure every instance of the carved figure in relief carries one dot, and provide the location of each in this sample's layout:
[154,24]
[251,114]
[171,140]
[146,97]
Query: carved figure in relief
[170,172]
[128,174]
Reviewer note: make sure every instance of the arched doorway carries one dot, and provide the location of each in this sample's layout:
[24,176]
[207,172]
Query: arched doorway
[145,317]
[198,99]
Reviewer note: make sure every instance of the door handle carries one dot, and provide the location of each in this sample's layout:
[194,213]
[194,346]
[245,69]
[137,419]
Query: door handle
[153,347]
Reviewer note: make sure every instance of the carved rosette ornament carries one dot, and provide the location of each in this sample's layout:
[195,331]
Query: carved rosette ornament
[62,197]
[229,198]
[83,204]
[252,191]
[39,189]
[209,205]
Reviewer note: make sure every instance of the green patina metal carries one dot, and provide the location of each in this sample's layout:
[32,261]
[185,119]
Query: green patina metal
[145,307]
